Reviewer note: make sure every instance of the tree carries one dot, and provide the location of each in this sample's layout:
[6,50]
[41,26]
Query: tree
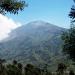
[69,36]
[71,72]
[69,43]
[2,67]
[14,62]
[72,12]
[61,68]
[12,6]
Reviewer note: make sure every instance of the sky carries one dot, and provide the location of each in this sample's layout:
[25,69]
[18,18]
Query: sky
[52,11]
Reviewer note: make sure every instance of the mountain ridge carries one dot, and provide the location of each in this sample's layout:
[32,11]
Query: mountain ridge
[33,43]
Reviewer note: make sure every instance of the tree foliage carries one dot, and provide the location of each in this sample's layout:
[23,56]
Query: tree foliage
[16,68]
[69,42]
[69,36]
[12,6]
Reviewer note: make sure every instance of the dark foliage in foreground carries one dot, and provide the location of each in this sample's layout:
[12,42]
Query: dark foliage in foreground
[12,6]
[18,69]
[68,37]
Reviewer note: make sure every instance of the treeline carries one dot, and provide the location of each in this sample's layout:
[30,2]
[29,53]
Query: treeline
[16,68]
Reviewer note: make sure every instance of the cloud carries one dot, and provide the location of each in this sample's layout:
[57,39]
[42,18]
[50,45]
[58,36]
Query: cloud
[6,26]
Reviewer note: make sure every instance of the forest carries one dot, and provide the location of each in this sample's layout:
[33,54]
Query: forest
[16,68]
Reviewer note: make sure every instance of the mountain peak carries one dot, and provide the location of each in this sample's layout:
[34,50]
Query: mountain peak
[38,23]
[41,24]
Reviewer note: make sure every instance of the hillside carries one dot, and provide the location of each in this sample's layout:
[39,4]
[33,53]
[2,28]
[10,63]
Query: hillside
[35,42]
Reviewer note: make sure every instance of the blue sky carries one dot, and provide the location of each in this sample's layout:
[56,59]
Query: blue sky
[52,11]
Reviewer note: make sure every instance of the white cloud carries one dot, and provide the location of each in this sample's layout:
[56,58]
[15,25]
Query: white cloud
[6,25]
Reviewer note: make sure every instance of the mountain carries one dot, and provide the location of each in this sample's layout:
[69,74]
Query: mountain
[35,42]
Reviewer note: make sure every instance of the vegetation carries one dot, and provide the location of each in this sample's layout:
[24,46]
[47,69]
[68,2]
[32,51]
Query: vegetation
[69,36]
[12,6]
[72,12]
[16,68]
[69,43]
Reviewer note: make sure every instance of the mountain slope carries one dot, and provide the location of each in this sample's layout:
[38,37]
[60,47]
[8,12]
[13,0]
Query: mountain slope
[35,42]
